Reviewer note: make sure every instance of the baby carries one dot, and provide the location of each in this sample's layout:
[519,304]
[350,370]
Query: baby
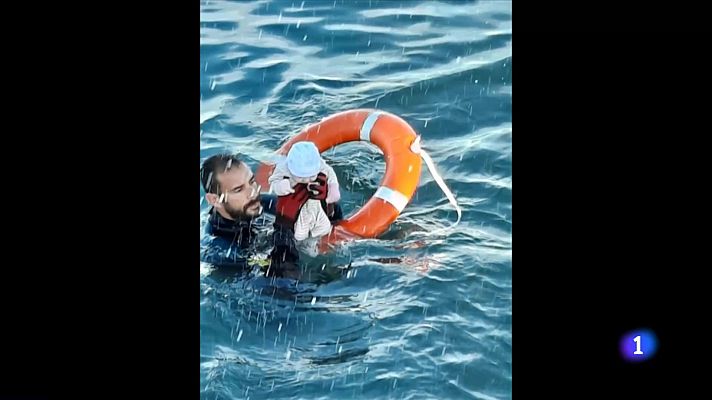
[307,187]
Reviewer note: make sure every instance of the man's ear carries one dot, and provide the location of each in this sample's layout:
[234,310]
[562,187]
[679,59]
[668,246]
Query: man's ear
[212,198]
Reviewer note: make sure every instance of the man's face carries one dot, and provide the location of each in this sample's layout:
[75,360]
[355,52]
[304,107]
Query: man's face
[239,196]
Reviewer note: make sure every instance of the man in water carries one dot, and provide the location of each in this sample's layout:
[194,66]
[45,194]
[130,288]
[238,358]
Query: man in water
[236,225]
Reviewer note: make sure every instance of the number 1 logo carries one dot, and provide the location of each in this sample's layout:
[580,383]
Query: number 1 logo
[637,345]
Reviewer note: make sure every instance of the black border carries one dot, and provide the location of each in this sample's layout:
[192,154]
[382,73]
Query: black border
[101,254]
[610,165]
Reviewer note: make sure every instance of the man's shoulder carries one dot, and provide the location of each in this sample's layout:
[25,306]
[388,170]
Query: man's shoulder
[212,246]
[211,240]
[220,251]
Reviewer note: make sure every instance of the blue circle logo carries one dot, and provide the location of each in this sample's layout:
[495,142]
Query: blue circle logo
[638,345]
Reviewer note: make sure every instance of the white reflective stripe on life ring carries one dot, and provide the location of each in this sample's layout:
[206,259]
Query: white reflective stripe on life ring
[365,134]
[397,199]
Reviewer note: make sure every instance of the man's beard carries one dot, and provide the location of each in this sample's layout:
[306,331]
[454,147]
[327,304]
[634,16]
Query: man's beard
[236,213]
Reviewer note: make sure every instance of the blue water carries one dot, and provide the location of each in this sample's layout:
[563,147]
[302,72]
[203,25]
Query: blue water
[439,323]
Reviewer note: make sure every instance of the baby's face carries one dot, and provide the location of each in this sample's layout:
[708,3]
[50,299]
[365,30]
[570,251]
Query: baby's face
[304,180]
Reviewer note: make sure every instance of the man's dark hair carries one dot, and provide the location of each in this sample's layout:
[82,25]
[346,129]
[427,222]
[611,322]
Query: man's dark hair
[214,166]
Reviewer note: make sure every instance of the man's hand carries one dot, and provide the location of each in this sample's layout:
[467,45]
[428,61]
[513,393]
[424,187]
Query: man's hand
[318,189]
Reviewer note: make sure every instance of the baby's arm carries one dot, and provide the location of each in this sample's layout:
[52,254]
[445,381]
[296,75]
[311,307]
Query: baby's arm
[334,194]
[278,184]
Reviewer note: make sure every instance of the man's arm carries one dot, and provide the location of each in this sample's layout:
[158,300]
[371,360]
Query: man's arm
[284,258]
[269,203]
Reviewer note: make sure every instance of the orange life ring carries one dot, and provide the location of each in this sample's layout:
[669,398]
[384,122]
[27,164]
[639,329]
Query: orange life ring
[394,137]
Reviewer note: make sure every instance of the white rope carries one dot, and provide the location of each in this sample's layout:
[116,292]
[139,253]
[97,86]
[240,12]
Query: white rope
[415,148]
